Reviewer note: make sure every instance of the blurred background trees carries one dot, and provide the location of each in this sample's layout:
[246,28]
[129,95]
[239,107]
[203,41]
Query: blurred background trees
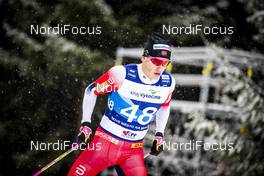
[43,76]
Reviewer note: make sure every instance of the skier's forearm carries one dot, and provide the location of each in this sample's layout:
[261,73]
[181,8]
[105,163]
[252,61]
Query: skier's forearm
[164,112]
[162,118]
[89,101]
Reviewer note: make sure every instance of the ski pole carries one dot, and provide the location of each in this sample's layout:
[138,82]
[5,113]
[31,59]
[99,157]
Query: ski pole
[146,155]
[55,160]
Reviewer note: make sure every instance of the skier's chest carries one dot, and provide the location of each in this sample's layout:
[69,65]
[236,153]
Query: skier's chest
[143,93]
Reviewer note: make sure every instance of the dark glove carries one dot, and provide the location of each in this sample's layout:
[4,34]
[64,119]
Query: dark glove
[85,135]
[157,145]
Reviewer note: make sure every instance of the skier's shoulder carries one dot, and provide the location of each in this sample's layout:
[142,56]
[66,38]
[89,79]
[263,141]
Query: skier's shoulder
[131,66]
[168,79]
[118,71]
[122,71]
[117,68]
[131,70]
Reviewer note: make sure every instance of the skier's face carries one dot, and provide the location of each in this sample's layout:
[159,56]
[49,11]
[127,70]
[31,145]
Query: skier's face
[154,67]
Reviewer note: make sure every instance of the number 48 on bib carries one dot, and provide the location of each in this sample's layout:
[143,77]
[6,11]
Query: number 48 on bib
[144,118]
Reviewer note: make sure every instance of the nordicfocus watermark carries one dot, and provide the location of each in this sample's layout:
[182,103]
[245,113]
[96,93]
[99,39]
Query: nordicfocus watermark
[193,145]
[62,145]
[194,29]
[107,86]
[64,29]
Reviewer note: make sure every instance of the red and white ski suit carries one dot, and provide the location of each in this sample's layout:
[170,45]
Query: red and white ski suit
[134,102]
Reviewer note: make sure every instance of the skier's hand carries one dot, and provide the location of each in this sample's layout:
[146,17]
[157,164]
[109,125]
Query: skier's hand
[157,145]
[85,134]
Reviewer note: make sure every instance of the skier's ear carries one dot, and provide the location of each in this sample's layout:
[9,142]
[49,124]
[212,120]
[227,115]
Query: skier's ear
[143,58]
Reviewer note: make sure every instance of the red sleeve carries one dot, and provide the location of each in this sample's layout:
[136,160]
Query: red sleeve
[109,81]
[167,102]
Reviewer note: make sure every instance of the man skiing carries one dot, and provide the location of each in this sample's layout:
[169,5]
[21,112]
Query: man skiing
[139,93]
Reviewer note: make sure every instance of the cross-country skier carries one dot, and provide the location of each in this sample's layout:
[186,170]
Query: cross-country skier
[138,94]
